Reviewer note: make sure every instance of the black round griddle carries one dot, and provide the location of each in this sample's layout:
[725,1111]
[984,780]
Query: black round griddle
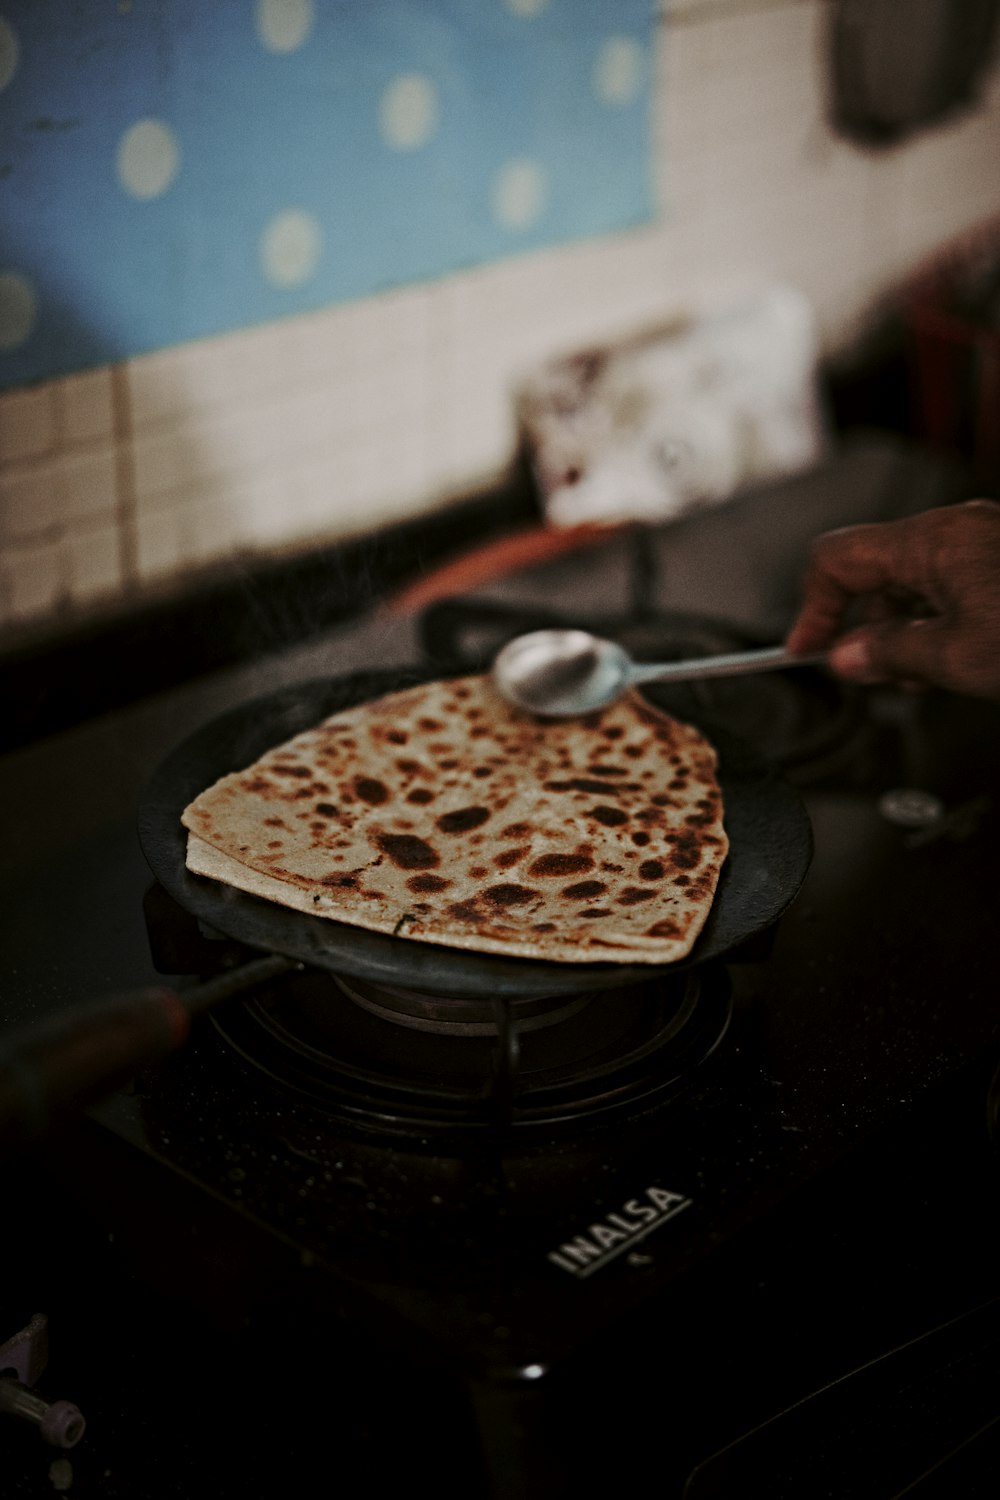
[768,827]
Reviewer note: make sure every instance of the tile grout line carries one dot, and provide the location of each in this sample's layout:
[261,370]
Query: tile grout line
[125,483]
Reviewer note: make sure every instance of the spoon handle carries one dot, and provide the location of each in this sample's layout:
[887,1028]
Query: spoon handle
[734,664]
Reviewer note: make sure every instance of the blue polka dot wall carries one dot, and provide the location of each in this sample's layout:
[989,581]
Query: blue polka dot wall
[175,171]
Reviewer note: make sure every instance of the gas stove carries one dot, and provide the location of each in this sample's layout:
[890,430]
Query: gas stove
[738,1222]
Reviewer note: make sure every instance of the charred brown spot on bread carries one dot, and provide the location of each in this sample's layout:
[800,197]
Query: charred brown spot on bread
[544,927]
[291,771]
[327,809]
[509,895]
[595,911]
[397,736]
[613,732]
[611,817]
[641,838]
[462,819]
[426,884]
[700,820]
[584,890]
[516,831]
[602,770]
[478,871]
[275,823]
[666,927]
[339,878]
[420,796]
[407,850]
[651,869]
[430,726]
[686,851]
[465,911]
[559,865]
[590,784]
[633,894]
[258,784]
[481,771]
[369,789]
[508,857]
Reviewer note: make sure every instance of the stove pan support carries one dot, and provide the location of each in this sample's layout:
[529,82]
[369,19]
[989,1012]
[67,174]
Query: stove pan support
[513,1434]
[502,1089]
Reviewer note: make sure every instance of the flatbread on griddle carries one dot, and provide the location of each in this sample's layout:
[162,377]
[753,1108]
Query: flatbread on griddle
[444,815]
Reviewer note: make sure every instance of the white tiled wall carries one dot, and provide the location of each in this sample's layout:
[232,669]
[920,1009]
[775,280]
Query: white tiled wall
[115,482]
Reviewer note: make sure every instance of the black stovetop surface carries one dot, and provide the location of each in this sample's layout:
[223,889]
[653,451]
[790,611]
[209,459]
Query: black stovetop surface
[825,1182]
[316,1299]
[879,988]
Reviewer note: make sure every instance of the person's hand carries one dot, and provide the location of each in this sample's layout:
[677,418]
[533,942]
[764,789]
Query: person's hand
[930,589]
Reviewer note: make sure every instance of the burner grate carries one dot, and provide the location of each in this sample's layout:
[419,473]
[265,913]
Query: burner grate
[399,1060]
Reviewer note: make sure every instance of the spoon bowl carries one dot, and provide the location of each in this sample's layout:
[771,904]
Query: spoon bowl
[559,674]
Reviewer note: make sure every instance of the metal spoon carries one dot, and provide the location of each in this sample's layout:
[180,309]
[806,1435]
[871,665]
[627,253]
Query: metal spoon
[559,673]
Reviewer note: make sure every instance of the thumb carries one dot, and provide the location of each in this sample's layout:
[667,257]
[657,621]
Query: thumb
[901,650]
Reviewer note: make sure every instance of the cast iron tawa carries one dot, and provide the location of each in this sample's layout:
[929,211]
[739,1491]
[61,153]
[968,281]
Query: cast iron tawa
[770,847]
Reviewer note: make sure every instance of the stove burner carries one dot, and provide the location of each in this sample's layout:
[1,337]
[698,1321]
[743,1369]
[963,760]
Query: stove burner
[453,1017]
[407,1062]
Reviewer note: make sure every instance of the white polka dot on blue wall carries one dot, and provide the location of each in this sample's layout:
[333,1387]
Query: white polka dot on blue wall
[250,161]
[290,248]
[519,194]
[618,72]
[283,25]
[408,112]
[148,158]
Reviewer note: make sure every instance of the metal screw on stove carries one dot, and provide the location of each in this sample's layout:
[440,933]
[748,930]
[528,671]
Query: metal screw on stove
[927,819]
[59,1423]
[908,807]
